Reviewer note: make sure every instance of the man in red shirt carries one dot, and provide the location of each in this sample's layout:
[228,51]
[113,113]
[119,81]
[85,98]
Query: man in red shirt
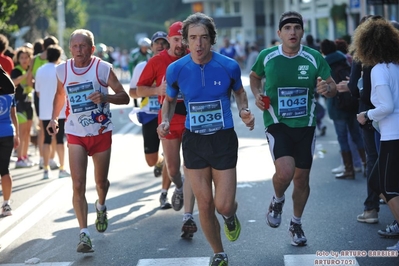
[5,61]
[152,82]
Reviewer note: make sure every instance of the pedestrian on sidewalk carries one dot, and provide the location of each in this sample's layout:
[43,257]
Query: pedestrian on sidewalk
[84,81]
[288,105]
[383,55]
[9,136]
[210,146]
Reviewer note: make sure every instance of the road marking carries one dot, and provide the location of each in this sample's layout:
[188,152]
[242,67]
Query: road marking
[31,203]
[174,262]
[42,263]
[312,259]
[49,197]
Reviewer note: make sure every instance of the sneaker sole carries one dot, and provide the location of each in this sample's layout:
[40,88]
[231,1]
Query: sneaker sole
[186,235]
[301,244]
[166,206]
[385,235]
[368,221]
[83,248]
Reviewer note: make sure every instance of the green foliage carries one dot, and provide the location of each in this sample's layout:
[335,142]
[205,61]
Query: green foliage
[7,9]
[28,12]
[117,23]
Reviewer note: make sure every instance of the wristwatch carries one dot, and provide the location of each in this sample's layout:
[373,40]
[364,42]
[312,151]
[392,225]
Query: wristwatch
[243,109]
[366,116]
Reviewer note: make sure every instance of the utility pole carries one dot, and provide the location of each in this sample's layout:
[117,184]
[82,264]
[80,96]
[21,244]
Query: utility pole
[61,22]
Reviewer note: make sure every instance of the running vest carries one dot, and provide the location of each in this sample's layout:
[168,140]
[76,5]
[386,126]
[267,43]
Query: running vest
[83,117]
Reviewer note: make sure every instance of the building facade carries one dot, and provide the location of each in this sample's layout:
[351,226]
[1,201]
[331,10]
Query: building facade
[256,21]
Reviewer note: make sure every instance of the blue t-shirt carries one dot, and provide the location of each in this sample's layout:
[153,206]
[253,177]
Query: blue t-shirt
[7,102]
[206,91]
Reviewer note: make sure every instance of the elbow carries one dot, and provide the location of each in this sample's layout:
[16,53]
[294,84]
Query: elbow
[133,93]
[126,99]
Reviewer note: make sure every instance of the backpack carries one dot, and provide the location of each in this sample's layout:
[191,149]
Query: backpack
[345,100]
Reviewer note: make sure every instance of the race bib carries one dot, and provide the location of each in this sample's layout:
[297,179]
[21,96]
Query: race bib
[205,117]
[153,104]
[78,97]
[293,102]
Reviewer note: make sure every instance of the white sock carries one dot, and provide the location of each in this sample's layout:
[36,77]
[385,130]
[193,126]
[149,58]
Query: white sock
[187,216]
[296,220]
[5,202]
[86,231]
[278,200]
[100,207]
[164,190]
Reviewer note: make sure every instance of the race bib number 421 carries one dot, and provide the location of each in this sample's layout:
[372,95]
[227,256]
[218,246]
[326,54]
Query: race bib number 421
[78,97]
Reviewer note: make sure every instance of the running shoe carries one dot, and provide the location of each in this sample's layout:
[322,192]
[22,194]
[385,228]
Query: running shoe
[22,164]
[63,173]
[394,247]
[102,220]
[370,217]
[158,169]
[232,228]
[46,174]
[84,245]
[273,217]
[163,200]
[177,200]
[392,230]
[297,235]
[6,210]
[189,228]
[219,260]
[53,165]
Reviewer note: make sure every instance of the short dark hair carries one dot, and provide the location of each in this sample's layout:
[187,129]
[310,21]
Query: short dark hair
[200,18]
[49,40]
[53,53]
[327,46]
[342,45]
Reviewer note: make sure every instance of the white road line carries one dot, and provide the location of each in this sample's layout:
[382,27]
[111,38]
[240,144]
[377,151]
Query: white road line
[42,264]
[174,262]
[31,204]
[312,259]
[49,197]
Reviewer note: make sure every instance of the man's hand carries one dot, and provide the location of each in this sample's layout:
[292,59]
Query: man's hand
[343,86]
[97,97]
[52,127]
[163,130]
[248,118]
[323,88]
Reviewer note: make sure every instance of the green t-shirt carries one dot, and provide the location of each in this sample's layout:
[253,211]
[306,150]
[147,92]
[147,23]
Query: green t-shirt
[290,83]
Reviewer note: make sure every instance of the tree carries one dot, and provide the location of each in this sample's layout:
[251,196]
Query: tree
[29,11]
[118,23]
[7,9]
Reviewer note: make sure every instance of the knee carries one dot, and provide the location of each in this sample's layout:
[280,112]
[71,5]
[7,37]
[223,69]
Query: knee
[226,209]
[79,187]
[103,184]
[174,172]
